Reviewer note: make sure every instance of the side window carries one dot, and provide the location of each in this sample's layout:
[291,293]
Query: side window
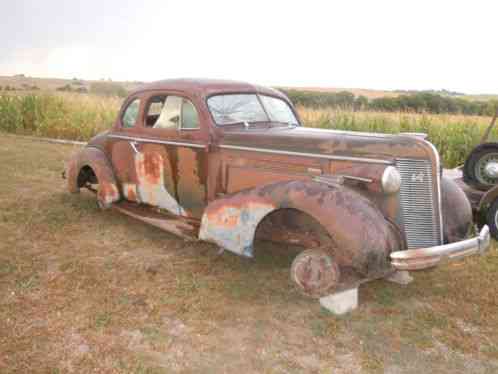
[190,119]
[169,118]
[154,108]
[130,114]
[171,112]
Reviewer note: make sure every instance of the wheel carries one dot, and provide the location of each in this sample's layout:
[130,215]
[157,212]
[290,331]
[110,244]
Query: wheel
[481,167]
[103,205]
[492,219]
[315,273]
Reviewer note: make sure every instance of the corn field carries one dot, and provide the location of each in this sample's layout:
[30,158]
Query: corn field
[81,116]
[64,116]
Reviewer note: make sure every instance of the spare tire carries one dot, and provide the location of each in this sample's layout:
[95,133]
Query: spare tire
[481,167]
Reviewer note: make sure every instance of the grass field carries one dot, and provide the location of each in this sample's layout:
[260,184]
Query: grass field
[88,291]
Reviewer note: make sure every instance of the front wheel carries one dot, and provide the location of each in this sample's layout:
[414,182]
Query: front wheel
[315,273]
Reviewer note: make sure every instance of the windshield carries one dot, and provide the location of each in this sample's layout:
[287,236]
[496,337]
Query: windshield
[238,108]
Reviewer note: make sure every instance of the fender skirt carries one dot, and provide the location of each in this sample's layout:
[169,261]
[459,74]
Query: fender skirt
[96,159]
[362,237]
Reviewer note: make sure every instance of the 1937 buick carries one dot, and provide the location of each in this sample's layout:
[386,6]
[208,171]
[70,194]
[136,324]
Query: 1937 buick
[227,162]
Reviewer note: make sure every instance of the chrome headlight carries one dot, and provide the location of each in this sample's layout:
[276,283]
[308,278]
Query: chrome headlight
[391,180]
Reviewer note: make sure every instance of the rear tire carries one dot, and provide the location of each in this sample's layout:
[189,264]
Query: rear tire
[103,205]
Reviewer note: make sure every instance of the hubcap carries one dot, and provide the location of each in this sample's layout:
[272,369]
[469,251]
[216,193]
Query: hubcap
[491,169]
[486,169]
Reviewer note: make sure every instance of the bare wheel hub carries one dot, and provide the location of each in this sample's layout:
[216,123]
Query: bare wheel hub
[315,272]
[486,169]
[491,169]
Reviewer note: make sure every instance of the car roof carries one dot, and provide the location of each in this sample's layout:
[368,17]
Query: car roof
[206,87]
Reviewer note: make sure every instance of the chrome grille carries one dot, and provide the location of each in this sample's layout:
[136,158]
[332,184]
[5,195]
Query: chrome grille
[418,197]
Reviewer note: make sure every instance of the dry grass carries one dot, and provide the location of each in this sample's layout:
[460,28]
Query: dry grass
[62,115]
[87,291]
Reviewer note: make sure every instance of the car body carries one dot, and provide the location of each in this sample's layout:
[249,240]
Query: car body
[227,162]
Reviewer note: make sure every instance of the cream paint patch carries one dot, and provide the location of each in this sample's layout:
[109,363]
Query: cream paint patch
[151,187]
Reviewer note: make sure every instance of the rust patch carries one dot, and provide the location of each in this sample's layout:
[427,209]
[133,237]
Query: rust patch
[107,192]
[130,192]
[149,168]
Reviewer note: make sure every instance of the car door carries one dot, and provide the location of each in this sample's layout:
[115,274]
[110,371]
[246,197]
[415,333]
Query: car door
[121,146]
[171,155]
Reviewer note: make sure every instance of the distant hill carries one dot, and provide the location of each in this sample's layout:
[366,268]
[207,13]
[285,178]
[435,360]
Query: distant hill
[21,82]
[371,94]
[442,92]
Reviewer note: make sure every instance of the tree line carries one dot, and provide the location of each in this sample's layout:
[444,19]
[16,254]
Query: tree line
[420,102]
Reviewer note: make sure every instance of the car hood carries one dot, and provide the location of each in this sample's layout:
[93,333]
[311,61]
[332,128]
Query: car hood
[331,142]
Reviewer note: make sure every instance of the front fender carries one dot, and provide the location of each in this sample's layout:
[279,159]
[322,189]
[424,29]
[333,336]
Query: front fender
[94,158]
[457,211]
[362,237]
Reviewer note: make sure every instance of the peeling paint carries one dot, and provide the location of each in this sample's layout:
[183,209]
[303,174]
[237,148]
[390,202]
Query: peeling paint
[233,227]
[151,187]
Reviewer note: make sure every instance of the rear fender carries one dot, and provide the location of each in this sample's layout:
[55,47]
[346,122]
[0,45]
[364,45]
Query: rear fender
[362,237]
[94,158]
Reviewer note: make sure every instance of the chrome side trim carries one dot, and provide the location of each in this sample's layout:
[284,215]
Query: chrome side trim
[314,155]
[359,179]
[145,140]
[330,180]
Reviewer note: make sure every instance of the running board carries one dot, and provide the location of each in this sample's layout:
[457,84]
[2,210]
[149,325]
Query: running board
[187,228]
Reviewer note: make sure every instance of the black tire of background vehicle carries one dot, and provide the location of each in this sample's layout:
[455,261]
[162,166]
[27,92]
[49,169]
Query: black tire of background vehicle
[469,169]
[491,218]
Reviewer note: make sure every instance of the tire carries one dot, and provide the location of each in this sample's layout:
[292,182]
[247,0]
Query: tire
[315,273]
[103,205]
[474,171]
[492,219]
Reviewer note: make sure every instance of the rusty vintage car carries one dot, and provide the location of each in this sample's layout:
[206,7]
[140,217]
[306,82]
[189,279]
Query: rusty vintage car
[228,162]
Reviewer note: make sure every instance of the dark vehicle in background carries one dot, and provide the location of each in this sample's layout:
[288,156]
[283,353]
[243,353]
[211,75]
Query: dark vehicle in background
[228,162]
[478,178]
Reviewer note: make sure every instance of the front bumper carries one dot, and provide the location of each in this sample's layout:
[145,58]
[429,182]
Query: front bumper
[417,259]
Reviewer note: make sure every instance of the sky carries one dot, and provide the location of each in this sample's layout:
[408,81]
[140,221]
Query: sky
[381,44]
